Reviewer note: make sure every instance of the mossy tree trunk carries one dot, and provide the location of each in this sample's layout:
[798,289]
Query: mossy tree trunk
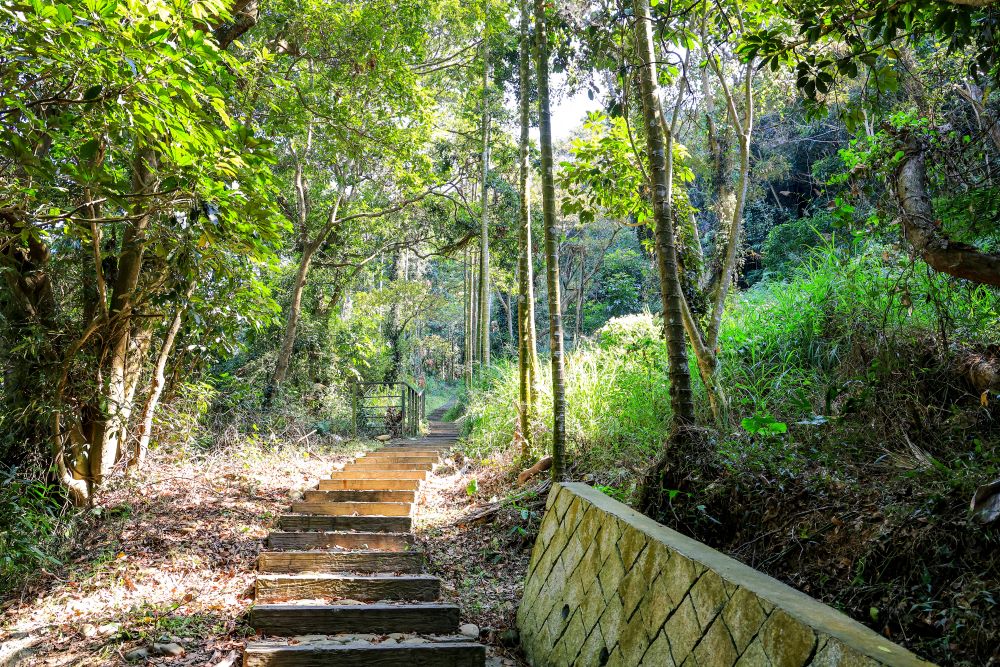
[527,354]
[551,245]
[658,148]
[484,240]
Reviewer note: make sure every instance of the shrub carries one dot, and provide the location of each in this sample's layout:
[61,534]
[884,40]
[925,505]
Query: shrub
[29,520]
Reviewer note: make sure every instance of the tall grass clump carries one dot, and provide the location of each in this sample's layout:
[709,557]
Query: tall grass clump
[617,397]
[845,317]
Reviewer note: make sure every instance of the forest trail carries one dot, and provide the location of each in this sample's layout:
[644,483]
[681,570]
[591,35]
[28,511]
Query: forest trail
[342,581]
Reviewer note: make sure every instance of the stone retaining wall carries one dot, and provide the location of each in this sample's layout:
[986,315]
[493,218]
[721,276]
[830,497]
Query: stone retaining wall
[609,586]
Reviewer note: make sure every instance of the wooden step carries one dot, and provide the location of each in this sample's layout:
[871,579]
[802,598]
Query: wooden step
[397,460]
[366,524]
[360,496]
[378,465]
[398,457]
[290,562]
[338,539]
[281,620]
[355,473]
[320,654]
[284,587]
[354,509]
[366,484]
[434,449]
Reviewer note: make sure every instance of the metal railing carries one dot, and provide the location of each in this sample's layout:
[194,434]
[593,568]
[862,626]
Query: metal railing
[392,408]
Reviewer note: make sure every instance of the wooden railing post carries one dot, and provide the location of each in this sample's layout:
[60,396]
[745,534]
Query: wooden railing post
[402,411]
[354,409]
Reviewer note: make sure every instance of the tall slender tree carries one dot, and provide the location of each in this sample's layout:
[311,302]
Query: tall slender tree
[551,244]
[484,239]
[527,355]
[658,148]
[469,324]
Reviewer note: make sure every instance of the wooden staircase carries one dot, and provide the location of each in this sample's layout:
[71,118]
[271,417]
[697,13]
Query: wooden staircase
[342,583]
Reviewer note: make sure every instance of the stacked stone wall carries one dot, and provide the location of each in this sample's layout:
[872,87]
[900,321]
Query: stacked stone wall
[609,586]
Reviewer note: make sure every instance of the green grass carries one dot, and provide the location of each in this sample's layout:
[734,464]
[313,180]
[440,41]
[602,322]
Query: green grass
[617,397]
[839,336]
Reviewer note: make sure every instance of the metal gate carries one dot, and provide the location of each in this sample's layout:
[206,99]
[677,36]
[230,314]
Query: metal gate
[392,408]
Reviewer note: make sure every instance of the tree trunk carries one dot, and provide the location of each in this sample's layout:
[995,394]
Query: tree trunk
[473,315]
[110,427]
[309,248]
[291,326]
[484,241]
[580,296]
[467,308]
[941,253]
[659,155]
[527,354]
[158,382]
[733,242]
[508,306]
[551,245]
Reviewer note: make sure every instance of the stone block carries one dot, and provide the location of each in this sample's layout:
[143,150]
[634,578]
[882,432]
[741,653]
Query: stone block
[678,575]
[590,524]
[553,626]
[658,653]
[572,554]
[633,641]
[548,528]
[592,607]
[786,641]
[716,647]
[616,659]
[590,566]
[608,537]
[573,639]
[550,500]
[573,516]
[612,620]
[709,597]
[611,575]
[683,631]
[632,590]
[631,543]
[744,617]
[754,656]
[590,654]
[573,594]
[656,606]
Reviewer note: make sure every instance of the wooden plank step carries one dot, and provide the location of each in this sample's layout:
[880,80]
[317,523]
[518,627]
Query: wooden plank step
[398,458]
[290,562]
[355,473]
[360,496]
[367,524]
[284,587]
[360,464]
[369,484]
[279,541]
[354,509]
[282,620]
[430,448]
[323,654]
